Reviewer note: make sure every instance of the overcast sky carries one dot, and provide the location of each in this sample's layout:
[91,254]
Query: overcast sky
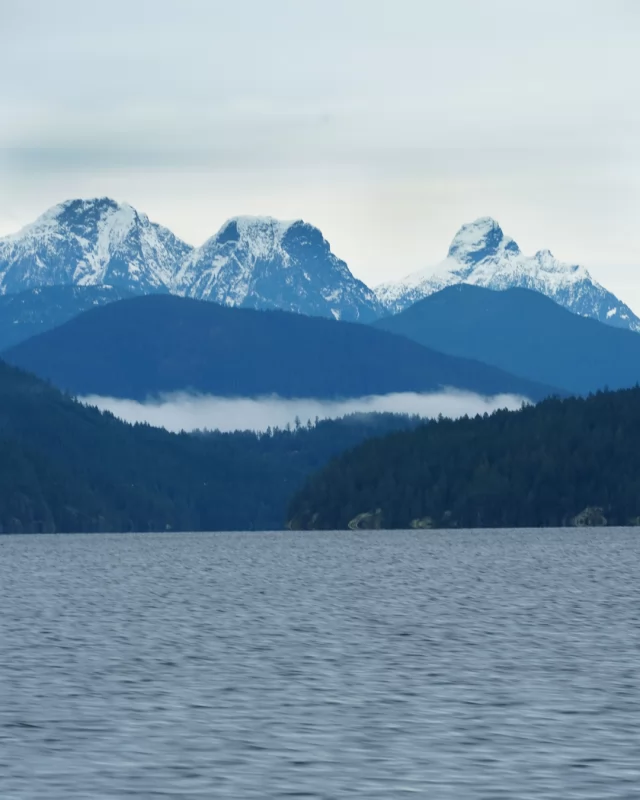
[387,124]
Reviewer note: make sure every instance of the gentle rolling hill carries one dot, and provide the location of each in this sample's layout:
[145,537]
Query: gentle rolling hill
[157,344]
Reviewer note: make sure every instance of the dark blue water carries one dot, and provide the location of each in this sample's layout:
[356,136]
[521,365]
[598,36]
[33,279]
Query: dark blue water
[375,665]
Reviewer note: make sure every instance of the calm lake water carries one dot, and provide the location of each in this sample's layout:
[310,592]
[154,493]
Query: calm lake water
[467,665]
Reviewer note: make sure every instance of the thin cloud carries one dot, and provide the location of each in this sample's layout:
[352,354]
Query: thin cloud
[188,412]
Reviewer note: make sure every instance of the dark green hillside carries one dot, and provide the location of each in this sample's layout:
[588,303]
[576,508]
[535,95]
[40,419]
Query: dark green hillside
[562,462]
[65,467]
[524,333]
[161,343]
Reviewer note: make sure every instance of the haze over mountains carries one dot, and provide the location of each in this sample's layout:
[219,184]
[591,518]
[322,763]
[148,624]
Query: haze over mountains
[263,263]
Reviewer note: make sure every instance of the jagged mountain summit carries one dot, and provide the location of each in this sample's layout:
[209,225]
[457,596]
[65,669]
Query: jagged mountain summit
[254,262]
[480,254]
[91,243]
[264,263]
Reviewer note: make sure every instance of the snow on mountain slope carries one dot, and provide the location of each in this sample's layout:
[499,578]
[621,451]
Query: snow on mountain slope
[482,255]
[261,262]
[253,261]
[90,243]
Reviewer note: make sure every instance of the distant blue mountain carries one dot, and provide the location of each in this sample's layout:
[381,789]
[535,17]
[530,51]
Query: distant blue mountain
[524,333]
[264,263]
[150,345]
[481,255]
[38,310]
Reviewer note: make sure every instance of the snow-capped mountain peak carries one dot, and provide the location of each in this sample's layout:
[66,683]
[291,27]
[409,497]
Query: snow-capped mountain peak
[259,262]
[109,219]
[262,262]
[478,240]
[481,254]
[261,236]
[549,263]
[89,243]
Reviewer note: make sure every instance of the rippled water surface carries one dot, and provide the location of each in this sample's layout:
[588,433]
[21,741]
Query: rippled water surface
[464,665]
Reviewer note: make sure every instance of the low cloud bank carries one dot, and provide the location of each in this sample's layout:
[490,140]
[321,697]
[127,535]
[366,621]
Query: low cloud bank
[188,412]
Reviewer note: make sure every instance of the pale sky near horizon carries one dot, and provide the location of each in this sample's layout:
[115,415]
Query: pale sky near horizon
[386,124]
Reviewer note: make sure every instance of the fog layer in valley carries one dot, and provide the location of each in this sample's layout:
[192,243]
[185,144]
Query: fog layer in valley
[182,411]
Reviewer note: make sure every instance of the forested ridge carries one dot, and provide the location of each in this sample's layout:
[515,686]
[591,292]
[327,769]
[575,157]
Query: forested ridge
[147,346]
[574,461]
[67,467]
[38,310]
[524,333]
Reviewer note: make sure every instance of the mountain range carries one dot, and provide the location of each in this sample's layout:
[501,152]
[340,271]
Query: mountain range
[263,263]
[480,254]
[157,344]
[524,333]
[98,300]
[252,262]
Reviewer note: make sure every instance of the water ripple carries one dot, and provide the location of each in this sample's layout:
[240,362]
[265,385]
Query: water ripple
[469,665]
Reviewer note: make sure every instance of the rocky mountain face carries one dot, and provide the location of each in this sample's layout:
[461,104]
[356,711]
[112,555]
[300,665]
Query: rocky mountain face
[250,262]
[263,263]
[480,254]
[91,243]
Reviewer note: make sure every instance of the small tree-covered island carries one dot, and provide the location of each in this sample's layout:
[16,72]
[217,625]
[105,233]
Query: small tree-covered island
[563,462]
